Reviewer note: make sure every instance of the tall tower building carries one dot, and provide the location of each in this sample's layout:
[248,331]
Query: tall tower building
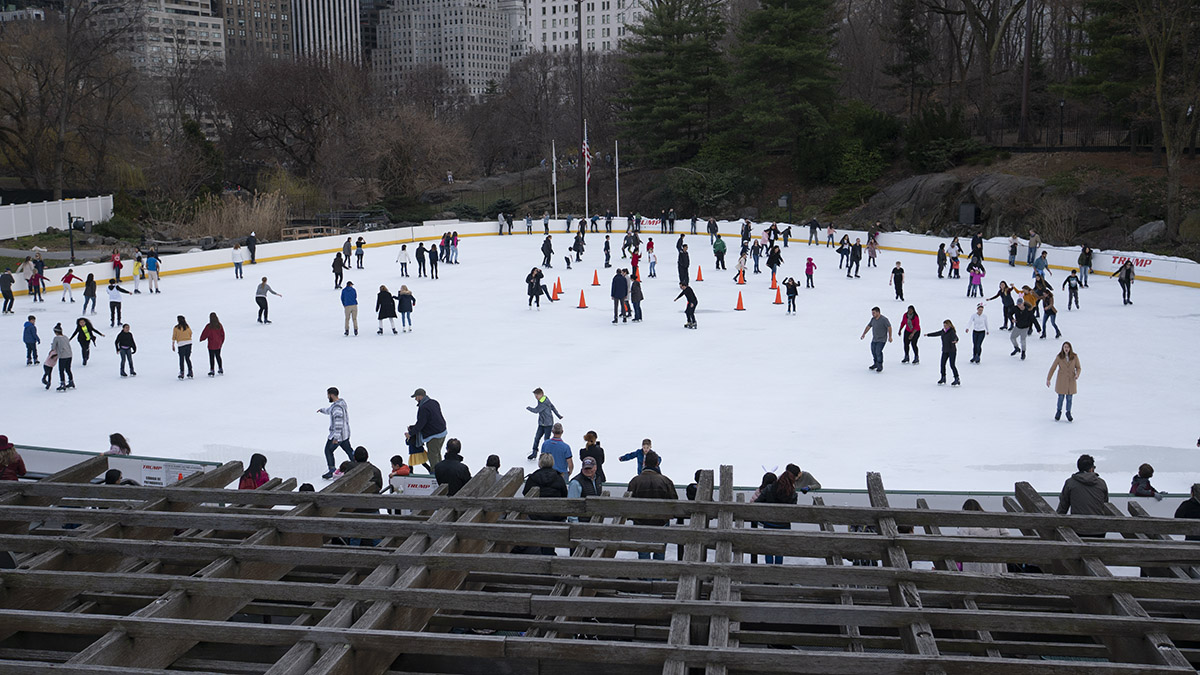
[174,33]
[326,29]
[552,25]
[256,29]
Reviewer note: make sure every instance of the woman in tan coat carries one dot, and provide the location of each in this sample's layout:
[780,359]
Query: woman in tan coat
[1067,365]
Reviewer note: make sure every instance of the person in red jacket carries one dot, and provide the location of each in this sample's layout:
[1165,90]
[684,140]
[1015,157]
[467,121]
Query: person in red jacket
[215,334]
[256,473]
[12,466]
[36,281]
[67,280]
[910,330]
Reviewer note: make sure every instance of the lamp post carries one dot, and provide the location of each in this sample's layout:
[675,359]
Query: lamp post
[71,235]
[1062,103]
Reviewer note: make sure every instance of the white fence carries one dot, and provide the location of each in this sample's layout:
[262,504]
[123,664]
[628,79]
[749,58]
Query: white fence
[22,220]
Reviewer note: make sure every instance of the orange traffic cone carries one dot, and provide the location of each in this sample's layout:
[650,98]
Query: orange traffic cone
[558,285]
[637,274]
[582,303]
[741,278]
[774,286]
[554,294]
[596,278]
[778,298]
[740,307]
[699,275]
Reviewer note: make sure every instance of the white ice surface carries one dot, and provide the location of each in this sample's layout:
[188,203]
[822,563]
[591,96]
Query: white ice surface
[756,388]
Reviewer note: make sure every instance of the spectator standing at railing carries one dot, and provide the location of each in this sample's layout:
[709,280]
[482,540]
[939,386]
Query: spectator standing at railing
[782,491]
[1085,493]
[255,474]
[1035,241]
[1188,508]
[650,484]
[12,466]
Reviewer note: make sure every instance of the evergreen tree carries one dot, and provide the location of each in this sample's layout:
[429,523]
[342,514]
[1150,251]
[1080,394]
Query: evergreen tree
[784,80]
[676,78]
[913,54]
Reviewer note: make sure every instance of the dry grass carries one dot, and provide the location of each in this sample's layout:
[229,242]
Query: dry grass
[231,217]
[1057,218]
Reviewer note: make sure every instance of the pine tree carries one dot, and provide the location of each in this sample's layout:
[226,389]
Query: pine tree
[784,79]
[913,53]
[677,76]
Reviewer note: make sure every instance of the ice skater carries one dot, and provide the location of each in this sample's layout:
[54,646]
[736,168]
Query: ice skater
[910,334]
[385,308]
[1072,284]
[6,283]
[1041,266]
[1049,314]
[719,253]
[404,304]
[684,263]
[635,299]
[881,333]
[420,256]
[792,287]
[620,288]
[339,430]
[238,258]
[60,346]
[1125,277]
[260,297]
[1013,243]
[975,275]
[774,260]
[1023,324]
[153,266]
[607,252]
[809,268]
[89,293]
[739,268]
[1006,300]
[949,338]
[126,347]
[433,261]
[686,291]
[942,259]
[214,334]
[339,267]
[843,251]
[977,324]
[181,343]
[547,252]
[1066,362]
[546,413]
[85,333]
[349,308]
[67,280]
[29,336]
[756,253]
[114,303]
[897,280]
[1085,265]
[359,250]
[403,258]
[855,258]
[533,286]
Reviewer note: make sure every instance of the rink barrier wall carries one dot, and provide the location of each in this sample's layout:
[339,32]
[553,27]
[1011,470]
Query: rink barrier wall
[1158,269]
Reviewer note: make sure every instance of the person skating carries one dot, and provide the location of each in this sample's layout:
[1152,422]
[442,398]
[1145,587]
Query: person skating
[635,257]
[89,293]
[67,280]
[719,252]
[635,298]
[114,303]
[881,333]
[433,261]
[977,324]
[252,247]
[910,334]
[1041,266]
[30,337]
[942,259]
[814,234]
[349,300]
[1006,301]
[260,297]
[346,247]
[1049,314]
[60,346]
[126,347]
[546,413]
[546,222]
[620,288]
[533,287]
[1013,243]
[652,260]
[1125,277]
[1071,285]
[359,250]
[214,334]
[339,430]
[607,252]
[181,343]
[843,251]
[774,260]
[385,308]
[975,275]
[686,291]
[756,253]
[6,283]
[872,251]
[1035,241]
[153,267]
[829,235]
[897,280]
[1066,363]
[949,338]
[403,258]
[547,252]
[430,427]
[420,254]
[639,455]
[809,268]
[792,287]
[339,267]
[1023,324]
[238,258]
[684,263]
[85,333]
[1085,265]
[405,302]
[739,268]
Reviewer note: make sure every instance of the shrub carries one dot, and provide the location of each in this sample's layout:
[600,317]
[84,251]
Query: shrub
[465,211]
[119,227]
[502,205]
[849,197]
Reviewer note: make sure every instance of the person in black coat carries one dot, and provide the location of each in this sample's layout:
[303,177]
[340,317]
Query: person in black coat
[433,261]
[774,259]
[782,491]
[385,306]
[593,449]
[855,258]
[451,471]
[550,485]
[1190,508]
[533,286]
[949,338]
[430,427]
[620,289]
[419,254]
[685,262]
[686,291]
[547,251]
[251,245]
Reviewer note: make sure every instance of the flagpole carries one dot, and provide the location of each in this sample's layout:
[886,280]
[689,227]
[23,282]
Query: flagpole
[587,171]
[617,161]
[554,176]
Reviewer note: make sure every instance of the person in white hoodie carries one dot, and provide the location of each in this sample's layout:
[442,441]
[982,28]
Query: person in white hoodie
[339,430]
[238,257]
[403,258]
[114,304]
[978,326]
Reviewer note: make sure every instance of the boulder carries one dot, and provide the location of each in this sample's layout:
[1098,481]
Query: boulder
[207,243]
[1149,232]
[748,212]
[1005,201]
[918,204]
[1189,229]
[445,215]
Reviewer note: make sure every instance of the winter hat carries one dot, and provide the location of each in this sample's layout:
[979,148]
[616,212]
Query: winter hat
[58,328]
[5,444]
[588,462]
[418,392]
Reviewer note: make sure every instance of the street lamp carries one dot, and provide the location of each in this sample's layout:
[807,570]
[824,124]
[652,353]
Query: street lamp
[71,234]
[1061,104]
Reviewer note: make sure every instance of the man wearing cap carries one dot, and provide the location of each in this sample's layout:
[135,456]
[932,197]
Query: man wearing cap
[430,428]
[350,305]
[557,448]
[586,484]
[978,326]
[545,411]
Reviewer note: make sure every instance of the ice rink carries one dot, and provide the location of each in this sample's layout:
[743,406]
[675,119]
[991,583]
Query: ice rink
[756,388]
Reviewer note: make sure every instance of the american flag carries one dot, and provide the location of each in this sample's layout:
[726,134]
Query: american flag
[587,159]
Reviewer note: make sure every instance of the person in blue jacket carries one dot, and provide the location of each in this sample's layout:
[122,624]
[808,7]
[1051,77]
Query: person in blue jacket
[620,290]
[31,340]
[350,306]
[640,456]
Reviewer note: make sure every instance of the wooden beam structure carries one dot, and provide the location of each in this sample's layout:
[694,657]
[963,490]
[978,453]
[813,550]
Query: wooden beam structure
[198,578]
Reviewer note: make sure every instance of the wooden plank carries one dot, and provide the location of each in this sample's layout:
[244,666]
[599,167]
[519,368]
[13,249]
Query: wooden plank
[917,636]
[1137,511]
[688,588]
[1150,645]
[855,643]
[720,628]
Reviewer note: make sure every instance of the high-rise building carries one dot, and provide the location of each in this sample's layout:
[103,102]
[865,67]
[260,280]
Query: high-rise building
[169,34]
[256,29]
[552,25]
[327,29]
[471,39]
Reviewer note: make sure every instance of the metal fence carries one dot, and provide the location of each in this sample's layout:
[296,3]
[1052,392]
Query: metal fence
[23,220]
[1061,129]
